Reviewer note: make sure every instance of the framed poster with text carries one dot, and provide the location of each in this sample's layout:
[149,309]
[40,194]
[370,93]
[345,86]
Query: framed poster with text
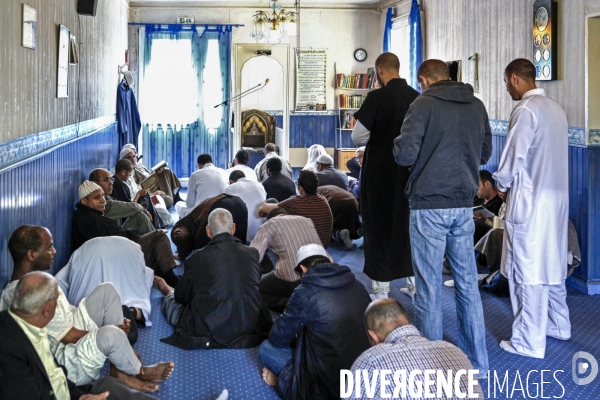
[311,86]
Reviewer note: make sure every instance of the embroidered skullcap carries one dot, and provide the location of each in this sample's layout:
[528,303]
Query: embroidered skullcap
[86,188]
[124,152]
[309,250]
[129,146]
[361,148]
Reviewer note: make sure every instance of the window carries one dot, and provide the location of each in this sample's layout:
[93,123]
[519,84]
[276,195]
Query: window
[170,84]
[401,44]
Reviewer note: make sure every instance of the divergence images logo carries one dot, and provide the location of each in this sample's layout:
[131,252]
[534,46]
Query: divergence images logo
[581,367]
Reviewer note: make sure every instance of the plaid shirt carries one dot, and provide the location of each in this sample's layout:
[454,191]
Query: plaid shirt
[406,349]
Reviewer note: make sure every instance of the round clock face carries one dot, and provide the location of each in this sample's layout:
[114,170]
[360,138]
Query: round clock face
[538,71]
[546,55]
[537,56]
[546,71]
[360,55]
[537,40]
[541,18]
[546,39]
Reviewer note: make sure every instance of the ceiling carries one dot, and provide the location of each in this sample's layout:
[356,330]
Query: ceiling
[248,3]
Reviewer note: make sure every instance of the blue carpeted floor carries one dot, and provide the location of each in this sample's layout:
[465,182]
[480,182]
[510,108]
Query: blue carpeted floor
[202,374]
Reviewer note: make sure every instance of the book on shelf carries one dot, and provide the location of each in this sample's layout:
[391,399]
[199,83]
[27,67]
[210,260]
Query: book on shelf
[357,81]
[351,101]
[347,121]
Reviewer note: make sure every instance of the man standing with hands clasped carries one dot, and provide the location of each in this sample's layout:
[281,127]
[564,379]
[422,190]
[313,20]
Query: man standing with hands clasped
[532,177]
[445,136]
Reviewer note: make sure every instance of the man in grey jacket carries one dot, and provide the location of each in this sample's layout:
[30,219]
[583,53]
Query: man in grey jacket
[445,136]
[128,215]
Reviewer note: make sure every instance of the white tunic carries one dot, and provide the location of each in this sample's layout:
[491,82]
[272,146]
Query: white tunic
[83,360]
[205,183]
[109,259]
[249,172]
[252,194]
[534,169]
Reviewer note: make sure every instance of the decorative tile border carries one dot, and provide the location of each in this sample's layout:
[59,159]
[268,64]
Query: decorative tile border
[594,137]
[576,134]
[21,148]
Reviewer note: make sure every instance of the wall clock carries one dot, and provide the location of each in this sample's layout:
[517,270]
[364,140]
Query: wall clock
[544,36]
[360,55]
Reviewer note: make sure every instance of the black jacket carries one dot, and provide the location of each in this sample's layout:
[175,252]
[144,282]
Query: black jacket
[445,136]
[325,313]
[22,374]
[332,176]
[279,186]
[89,224]
[219,291]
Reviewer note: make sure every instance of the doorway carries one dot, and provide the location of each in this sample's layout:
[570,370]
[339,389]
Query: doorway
[253,67]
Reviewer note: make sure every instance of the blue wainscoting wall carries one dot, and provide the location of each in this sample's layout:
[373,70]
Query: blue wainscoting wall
[584,201]
[41,189]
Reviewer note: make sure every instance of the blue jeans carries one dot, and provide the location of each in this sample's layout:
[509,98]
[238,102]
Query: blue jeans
[434,233]
[274,358]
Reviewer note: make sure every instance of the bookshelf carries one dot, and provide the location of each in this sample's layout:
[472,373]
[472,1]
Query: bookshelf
[350,93]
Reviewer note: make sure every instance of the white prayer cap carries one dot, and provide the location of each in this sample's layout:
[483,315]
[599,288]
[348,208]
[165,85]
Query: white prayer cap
[129,146]
[361,148]
[124,152]
[307,251]
[325,159]
[86,188]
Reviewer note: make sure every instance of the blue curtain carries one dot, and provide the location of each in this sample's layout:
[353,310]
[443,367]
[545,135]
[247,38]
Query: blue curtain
[387,31]
[181,144]
[416,44]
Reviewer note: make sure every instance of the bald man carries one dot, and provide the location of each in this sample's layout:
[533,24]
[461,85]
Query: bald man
[398,345]
[384,206]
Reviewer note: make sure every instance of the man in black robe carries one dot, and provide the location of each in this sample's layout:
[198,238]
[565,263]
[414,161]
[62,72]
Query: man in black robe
[384,206]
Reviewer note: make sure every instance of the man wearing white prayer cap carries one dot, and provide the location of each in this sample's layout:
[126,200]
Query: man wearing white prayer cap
[328,175]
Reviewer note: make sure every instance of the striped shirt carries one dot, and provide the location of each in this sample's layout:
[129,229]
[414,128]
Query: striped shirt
[284,235]
[314,207]
[406,349]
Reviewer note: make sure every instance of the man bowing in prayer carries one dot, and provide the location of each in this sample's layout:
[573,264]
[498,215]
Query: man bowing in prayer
[384,206]
[532,177]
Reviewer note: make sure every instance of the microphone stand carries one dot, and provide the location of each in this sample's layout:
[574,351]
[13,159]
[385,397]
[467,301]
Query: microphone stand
[238,96]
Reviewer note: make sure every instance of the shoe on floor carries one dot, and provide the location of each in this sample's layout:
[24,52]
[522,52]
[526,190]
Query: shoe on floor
[446,267]
[507,345]
[449,283]
[345,237]
[224,395]
[408,291]
[377,296]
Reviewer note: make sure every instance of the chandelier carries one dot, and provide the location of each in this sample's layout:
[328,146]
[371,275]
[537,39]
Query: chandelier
[276,24]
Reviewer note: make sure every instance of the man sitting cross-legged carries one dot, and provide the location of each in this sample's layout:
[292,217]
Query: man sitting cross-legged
[82,338]
[216,303]
[283,235]
[399,346]
[324,317]
[309,204]
[127,214]
[277,185]
[89,223]
[28,368]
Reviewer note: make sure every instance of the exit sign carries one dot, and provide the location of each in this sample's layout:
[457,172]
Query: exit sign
[185,20]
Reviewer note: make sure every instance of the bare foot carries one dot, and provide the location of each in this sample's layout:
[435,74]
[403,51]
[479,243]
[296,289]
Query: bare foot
[157,372]
[162,286]
[132,381]
[269,377]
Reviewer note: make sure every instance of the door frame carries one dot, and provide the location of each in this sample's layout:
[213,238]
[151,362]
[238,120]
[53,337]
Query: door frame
[242,53]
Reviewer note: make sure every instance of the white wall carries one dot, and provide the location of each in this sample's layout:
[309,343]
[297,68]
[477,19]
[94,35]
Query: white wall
[340,31]
[28,77]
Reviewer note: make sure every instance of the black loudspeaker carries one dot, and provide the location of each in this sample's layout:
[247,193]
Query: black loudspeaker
[87,7]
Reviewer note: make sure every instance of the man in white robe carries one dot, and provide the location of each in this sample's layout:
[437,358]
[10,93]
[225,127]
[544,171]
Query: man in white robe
[97,261]
[252,194]
[209,181]
[239,164]
[532,177]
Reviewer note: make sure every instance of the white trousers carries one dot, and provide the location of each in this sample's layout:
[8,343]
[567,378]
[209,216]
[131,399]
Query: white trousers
[540,311]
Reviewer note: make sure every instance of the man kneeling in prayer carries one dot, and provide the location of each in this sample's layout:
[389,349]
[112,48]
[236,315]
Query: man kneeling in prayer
[216,303]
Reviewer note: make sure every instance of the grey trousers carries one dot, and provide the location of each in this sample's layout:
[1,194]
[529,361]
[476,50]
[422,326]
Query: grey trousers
[139,221]
[117,389]
[104,308]
[171,309]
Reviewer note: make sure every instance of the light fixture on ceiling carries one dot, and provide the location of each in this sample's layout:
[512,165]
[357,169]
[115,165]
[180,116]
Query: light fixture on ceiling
[276,24]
